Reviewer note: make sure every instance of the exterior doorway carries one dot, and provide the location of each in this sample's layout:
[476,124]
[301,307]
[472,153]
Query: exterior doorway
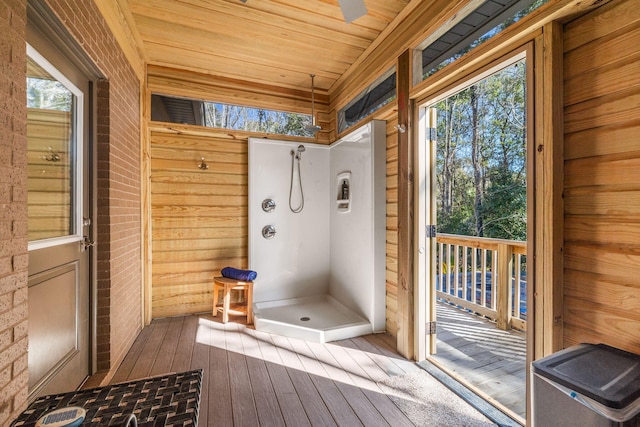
[59,219]
[472,204]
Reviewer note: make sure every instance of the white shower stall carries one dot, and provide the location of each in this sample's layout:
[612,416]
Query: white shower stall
[321,271]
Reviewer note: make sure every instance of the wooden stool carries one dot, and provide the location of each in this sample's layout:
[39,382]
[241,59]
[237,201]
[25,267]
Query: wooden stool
[227,285]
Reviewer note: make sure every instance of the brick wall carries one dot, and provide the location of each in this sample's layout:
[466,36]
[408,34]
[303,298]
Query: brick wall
[13,211]
[118,217]
[119,209]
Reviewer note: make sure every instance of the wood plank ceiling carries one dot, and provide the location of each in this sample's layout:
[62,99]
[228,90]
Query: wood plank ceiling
[274,42]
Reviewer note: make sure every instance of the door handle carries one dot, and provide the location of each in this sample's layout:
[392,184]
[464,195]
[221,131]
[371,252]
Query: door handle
[87,243]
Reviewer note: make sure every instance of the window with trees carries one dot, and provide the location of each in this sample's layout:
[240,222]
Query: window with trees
[226,116]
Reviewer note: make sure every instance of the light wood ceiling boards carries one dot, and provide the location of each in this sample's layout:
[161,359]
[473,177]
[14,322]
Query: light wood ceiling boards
[275,42]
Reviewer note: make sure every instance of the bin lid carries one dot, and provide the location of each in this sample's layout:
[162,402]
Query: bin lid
[605,374]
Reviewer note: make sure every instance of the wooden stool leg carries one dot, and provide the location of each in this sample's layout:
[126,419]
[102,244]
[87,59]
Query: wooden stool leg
[215,300]
[226,303]
[249,300]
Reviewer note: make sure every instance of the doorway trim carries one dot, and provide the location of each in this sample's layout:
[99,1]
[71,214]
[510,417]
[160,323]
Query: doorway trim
[423,209]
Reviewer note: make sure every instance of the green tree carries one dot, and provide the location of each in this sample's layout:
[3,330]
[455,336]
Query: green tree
[504,210]
[481,163]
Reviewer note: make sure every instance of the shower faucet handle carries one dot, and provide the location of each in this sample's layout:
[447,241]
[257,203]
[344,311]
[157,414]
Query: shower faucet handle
[268,205]
[268,232]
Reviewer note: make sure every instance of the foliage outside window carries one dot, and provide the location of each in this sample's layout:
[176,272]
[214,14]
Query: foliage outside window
[472,31]
[227,116]
[481,158]
[378,94]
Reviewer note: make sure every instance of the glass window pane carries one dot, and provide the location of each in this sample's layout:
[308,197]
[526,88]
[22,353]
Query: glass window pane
[197,112]
[486,21]
[378,94]
[481,187]
[50,136]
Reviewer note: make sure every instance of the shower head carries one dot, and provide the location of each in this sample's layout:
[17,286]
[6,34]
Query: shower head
[312,129]
[298,152]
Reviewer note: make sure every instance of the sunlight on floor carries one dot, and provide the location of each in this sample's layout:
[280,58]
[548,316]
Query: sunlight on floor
[332,361]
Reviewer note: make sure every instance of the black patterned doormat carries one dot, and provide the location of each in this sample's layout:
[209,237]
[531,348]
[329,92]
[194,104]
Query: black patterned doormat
[169,400]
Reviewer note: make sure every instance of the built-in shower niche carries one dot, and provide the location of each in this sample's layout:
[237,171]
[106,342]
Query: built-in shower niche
[343,191]
[321,277]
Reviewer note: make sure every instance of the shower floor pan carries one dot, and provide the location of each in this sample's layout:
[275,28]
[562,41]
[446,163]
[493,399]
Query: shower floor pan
[317,319]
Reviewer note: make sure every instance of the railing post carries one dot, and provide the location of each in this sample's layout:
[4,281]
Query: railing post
[503,286]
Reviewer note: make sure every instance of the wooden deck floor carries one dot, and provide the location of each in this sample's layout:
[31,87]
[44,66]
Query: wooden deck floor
[476,352]
[254,378]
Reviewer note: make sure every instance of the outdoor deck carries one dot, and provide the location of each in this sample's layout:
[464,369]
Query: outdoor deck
[479,354]
[254,378]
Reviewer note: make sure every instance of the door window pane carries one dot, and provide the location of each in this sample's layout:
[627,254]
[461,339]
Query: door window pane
[51,138]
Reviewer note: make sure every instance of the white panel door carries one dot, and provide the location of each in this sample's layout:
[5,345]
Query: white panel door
[59,358]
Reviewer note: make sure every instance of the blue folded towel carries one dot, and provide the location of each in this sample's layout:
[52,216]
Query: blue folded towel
[237,274]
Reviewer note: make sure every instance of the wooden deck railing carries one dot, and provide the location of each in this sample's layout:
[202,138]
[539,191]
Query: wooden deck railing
[485,276]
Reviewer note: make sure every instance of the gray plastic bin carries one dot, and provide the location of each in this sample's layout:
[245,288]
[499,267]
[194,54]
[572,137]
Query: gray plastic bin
[586,385]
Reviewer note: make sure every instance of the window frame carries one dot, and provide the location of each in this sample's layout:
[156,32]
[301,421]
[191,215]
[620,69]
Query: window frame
[340,114]
[76,153]
[205,101]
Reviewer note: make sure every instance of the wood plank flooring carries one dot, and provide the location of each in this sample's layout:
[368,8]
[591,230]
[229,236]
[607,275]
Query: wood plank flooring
[253,378]
[489,359]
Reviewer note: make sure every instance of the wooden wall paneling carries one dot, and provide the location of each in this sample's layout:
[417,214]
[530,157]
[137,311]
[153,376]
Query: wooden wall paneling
[392,229]
[583,315]
[602,198]
[592,72]
[613,18]
[602,170]
[595,142]
[215,133]
[609,110]
[199,217]
[405,338]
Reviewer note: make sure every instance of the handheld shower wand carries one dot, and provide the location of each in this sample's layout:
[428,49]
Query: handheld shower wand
[296,155]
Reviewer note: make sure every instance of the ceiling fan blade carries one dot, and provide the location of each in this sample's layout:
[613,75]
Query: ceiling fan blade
[352,9]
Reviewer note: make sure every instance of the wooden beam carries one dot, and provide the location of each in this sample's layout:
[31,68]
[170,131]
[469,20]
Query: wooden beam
[119,19]
[552,153]
[167,81]
[405,338]
[145,200]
